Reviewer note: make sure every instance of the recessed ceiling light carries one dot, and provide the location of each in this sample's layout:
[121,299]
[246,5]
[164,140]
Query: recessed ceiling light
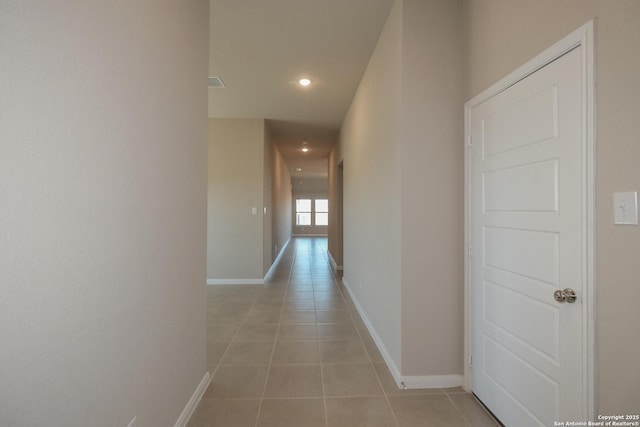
[298,169]
[304,82]
[305,149]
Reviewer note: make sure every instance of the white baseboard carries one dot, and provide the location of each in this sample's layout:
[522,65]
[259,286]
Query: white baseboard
[406,381]
[277,260]
[235,281]
[334,264]
[188,410]
[431,381]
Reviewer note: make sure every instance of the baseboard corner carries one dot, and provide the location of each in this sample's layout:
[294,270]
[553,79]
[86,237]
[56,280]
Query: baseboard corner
[192,404]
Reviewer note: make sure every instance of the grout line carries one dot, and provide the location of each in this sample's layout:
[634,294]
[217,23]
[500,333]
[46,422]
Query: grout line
[275,338]
[458,409]
[302,260]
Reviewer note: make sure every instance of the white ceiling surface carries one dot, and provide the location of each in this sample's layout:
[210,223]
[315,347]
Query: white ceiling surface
[261,48]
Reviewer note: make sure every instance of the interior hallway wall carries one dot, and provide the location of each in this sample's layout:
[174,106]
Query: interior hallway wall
[370,148]
[432,188]
[308,188]
[281,203]
[502,35]
[267,201]
[102,205]
[236,188]
[246,171]
[403,191]
[334,193]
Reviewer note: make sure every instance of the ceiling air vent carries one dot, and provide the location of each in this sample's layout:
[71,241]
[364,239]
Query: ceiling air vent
[216,82]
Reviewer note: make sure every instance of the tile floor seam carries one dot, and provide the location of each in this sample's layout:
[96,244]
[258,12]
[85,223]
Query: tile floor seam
[384,392]
[302,278]
[275,340]
[458,409]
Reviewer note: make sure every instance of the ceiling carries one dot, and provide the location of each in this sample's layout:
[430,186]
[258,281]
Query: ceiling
[260,49]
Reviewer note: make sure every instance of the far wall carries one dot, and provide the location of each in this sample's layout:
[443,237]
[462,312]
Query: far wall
[248,200]
[308,188]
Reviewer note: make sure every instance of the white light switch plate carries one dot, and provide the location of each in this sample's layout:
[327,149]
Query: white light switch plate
[625,208]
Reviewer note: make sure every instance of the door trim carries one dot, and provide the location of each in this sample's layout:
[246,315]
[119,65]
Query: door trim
[582,37]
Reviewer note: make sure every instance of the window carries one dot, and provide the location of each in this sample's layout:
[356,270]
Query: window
[312,212]
[322,211]
[303,211]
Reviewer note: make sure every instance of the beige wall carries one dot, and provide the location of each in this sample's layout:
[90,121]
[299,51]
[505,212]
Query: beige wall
[236,185]
[102,206]
[246,170]
[403,192]
[432,188]
[302,188]
[281,203]
[335,195]
[371,152]
[501,35]
[267,202]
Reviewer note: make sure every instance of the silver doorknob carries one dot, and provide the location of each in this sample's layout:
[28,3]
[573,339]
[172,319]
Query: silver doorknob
[565,295]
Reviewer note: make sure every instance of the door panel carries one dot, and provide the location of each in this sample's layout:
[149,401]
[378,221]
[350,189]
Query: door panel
[526,210]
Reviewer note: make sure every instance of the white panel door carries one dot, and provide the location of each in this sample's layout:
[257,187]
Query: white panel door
[526,213]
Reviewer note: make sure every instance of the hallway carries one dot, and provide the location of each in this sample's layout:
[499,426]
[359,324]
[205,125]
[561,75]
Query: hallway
[295,353]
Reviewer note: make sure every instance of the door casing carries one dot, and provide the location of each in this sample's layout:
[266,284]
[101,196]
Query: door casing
[583,37]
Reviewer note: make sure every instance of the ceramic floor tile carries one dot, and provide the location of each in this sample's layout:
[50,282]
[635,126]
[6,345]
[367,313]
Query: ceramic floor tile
[350,379]
[296,352]
[228,318]
[359,411]
[299,304]
[364,335]
[319,286]
[298,316]
[359,324]
[333,316]
[343,352]
[251,353]
[215,351]
[225,413]
[221,332]
[292,412]
[274,305]
[372,350]
[433,410]
[472,410]
[324,293]
[296,332]
[337,331]
[327,295]
[257,332]
[264,315]
[294,381]
[330,305]
[301,286]
[235,308]
[305,324]
[301,294]
[237,381]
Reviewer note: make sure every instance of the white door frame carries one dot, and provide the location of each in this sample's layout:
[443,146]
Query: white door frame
[583,37]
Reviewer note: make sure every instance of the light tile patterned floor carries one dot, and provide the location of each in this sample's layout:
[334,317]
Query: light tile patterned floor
[295,353]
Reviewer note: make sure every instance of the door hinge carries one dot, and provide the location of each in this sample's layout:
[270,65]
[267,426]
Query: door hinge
[470,141]
[470,252]
[470,361]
